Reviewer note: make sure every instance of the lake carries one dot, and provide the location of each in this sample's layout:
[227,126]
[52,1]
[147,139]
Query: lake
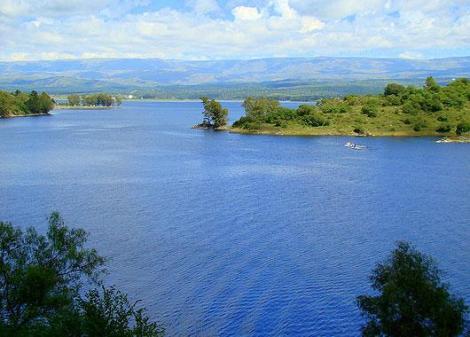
[223,234]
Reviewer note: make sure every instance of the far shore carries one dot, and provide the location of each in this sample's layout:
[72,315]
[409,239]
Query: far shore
[81,107]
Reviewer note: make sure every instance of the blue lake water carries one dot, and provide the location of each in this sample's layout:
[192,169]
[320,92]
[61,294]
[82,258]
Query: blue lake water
[222,234]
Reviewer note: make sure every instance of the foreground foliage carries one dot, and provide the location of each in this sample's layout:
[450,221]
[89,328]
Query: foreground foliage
[412,301]
[20,103]
[50,286]
[400,110]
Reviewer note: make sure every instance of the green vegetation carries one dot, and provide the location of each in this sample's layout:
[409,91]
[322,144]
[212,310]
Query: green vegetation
[22,104]
[101,99]
[50,287]
[399,111]
[214,115]
[412,300]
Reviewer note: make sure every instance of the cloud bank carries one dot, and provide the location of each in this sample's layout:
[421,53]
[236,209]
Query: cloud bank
[211,29]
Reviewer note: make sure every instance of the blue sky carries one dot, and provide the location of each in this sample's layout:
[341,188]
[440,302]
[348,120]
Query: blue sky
[232,29]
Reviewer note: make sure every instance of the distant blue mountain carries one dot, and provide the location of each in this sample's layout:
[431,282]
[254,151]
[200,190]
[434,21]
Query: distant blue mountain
[134,74]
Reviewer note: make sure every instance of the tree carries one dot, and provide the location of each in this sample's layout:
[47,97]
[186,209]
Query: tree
[393,89]
[39,104]
[370,109]
[33,102]
[45,103]
[74,100]
[214,115]
[431,84]
[412,300]
[42,292]
[462,128]
[258,108]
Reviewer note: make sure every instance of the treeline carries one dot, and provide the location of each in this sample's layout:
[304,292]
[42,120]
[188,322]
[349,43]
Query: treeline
[51,285]
[401,109]
[22,104]
[100,99]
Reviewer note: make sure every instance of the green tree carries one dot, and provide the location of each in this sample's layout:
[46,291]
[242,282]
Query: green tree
[74,100]
[393,89]
[370,109]
[462,128]
[214,115]
[39,104]
[42,290]
[260,108]
[33,103]
[412,300]
[431,85]
[8,105]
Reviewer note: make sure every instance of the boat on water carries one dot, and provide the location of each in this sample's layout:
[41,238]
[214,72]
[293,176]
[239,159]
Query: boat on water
[353,146]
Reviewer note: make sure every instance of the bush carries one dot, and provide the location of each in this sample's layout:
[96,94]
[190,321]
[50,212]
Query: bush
[394,89]
[444,128]
[314,120]
[371,110]
[462,128]
[419,125]
[411,109]
[304,109]
[334,106]
[392,100]
[359,130]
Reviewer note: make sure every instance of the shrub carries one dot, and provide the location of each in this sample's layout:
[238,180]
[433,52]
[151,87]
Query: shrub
[359,130]
[444,128]
[411,109]
[462,128]
[393,89]
[314,120]
[419,125]
[305,109]
[371,110]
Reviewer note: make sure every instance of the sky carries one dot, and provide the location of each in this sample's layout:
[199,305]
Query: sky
[232,29]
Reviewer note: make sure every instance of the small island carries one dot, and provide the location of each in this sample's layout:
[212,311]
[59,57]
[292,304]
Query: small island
[90,102]
[215,117]
[20,104]
[432,110]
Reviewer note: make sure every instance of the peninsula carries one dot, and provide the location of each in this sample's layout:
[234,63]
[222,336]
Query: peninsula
[432,110]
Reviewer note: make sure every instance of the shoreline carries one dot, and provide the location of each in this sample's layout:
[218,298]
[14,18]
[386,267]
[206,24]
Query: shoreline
[332,133]
[27,115]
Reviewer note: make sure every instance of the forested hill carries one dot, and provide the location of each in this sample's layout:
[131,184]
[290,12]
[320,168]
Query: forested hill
[183,79]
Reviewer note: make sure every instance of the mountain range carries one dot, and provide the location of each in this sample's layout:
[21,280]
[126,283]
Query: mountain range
[158,75]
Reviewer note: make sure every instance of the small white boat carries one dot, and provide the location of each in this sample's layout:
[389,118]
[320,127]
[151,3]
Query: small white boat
[353,146]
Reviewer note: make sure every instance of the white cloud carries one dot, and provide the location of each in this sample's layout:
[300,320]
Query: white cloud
[410,55]
[258,28]
[246,13]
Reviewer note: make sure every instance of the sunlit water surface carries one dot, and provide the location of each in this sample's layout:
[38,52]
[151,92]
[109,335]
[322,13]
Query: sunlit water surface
[221,234]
